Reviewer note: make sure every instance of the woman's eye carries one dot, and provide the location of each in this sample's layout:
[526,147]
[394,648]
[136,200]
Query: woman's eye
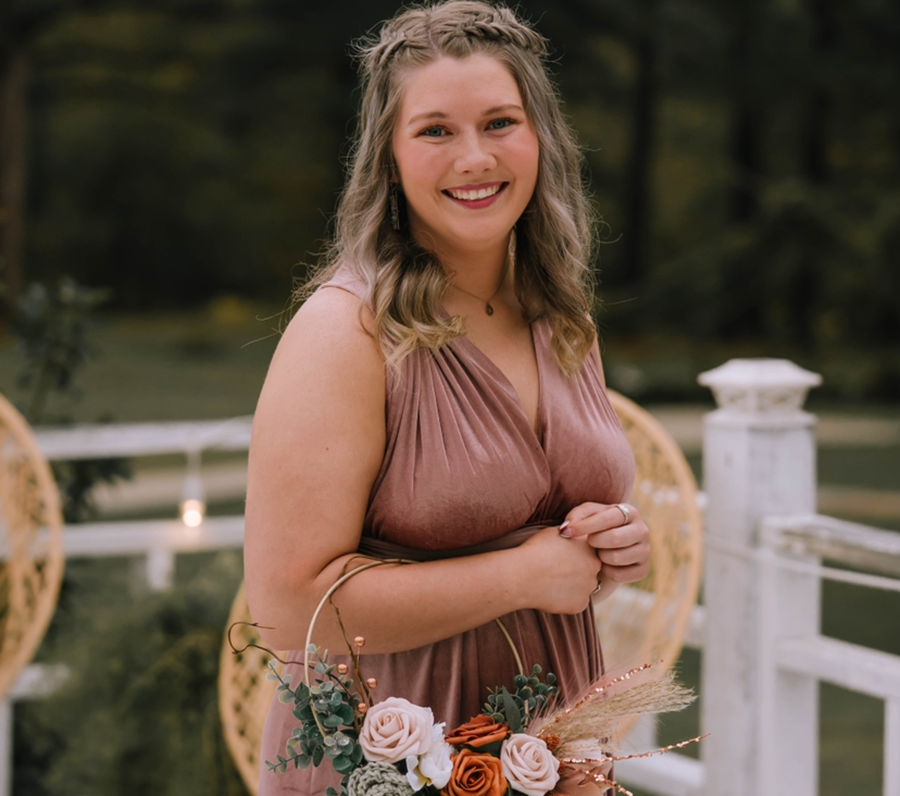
[500,124]
[432,132]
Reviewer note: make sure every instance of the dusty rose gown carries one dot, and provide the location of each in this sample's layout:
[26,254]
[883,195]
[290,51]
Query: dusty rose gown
[463,472]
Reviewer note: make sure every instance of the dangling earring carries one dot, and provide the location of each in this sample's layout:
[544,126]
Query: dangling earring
[395,207]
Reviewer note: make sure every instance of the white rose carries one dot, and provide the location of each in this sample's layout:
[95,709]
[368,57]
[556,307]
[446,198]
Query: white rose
[435,766]
[529,765]
[395,729]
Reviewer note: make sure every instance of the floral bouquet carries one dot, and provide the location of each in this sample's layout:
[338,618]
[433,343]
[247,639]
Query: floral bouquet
[523,743]
[518,743]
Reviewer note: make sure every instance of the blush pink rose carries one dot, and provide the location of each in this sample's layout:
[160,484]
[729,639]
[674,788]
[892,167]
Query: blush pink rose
[529,765]
[394,730]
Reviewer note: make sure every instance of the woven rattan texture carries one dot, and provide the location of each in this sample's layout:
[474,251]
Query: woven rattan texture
[31,553]
[244,691]
[637,625]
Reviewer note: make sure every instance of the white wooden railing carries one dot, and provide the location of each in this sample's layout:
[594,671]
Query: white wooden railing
[763,654]
[155,543]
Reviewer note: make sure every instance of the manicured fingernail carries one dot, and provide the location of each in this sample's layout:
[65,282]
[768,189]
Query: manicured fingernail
[565,530]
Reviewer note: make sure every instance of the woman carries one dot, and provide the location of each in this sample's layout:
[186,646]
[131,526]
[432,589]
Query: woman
[439,397]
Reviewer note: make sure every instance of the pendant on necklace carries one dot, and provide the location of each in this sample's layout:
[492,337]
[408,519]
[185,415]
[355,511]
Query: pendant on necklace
[488,309]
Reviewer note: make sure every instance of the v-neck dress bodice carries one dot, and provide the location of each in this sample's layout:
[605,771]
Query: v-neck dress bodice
[464,468]
[463,465]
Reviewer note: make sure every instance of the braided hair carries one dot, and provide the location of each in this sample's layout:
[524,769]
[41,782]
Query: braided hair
[405,283]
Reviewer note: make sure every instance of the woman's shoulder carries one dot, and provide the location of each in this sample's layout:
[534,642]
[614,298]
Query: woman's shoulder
[331,322]
[335,315]
[330,339]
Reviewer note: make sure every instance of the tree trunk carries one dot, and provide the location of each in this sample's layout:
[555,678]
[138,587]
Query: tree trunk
[746,141]
[818,109]
[13,166]
[638,187]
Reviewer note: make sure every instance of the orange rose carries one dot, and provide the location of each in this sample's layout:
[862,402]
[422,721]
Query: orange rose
[478,731]
[476,775]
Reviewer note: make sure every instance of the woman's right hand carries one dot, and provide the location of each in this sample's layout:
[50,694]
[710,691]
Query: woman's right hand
[563,573]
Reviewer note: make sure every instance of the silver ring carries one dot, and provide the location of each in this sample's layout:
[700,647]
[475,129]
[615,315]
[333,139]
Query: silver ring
[599,585]
[626,512]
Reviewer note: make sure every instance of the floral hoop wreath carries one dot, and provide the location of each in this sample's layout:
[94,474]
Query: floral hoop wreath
[523,741]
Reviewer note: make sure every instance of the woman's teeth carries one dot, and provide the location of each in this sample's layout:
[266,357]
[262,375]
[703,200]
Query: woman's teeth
[471,196]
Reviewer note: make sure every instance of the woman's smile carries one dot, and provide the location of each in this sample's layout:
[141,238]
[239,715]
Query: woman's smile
[476,197]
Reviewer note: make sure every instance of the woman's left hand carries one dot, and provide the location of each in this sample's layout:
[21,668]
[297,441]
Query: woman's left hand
[622,543]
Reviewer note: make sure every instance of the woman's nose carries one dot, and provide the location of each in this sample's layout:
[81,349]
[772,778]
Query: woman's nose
[473,155]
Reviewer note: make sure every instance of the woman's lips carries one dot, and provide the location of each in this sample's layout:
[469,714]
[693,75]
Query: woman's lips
[480,200]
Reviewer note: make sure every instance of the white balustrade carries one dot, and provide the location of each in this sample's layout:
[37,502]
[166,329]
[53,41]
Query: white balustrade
[758,459]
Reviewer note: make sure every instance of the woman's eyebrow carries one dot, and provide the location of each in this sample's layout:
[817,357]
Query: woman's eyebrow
[419,117]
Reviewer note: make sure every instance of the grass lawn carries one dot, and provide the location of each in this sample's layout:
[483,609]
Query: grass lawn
[197,365]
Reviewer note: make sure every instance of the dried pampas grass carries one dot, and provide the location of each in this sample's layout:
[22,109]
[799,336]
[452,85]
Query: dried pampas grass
[590,728]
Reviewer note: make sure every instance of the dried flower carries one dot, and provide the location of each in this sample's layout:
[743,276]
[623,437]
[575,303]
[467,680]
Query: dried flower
[529,765]
[382,778]
[476,775]
[553,741]
[477,732]
[394,730]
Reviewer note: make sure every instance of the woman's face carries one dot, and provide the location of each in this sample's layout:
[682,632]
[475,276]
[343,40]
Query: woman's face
[466,153]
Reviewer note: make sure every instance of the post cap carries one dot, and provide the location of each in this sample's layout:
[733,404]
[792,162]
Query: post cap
[760,386]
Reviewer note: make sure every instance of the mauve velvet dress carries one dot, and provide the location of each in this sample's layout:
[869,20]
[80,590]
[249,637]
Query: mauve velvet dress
[463,468]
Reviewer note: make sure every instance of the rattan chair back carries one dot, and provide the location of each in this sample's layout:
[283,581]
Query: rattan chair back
[244,691]
[647,621]
[31,551]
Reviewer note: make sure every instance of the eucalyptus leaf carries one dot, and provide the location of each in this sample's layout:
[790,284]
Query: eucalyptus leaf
[511,709]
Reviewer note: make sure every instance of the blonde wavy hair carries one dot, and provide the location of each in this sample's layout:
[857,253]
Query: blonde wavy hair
[405,282]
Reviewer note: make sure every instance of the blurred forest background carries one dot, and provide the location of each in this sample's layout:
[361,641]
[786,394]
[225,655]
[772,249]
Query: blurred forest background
[173,164]
[744,155]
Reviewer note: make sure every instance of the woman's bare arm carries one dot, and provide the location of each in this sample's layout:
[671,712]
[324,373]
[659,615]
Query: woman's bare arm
[317,445]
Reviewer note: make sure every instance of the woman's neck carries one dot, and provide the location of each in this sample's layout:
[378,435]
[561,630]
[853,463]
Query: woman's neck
[476,271]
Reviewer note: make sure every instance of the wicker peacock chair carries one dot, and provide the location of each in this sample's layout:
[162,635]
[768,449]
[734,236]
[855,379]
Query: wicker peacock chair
[647,621]
[244,691]
[31,552]
[641,623]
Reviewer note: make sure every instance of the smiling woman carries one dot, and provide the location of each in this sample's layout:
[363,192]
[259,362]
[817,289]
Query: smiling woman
[439,396]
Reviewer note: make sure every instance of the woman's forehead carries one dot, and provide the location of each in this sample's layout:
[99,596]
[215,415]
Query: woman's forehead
[478,84]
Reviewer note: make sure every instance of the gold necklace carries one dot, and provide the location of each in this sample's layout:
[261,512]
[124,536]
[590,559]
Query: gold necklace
[510,254]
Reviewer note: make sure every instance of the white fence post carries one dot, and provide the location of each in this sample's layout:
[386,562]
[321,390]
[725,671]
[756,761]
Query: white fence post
[758,460]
